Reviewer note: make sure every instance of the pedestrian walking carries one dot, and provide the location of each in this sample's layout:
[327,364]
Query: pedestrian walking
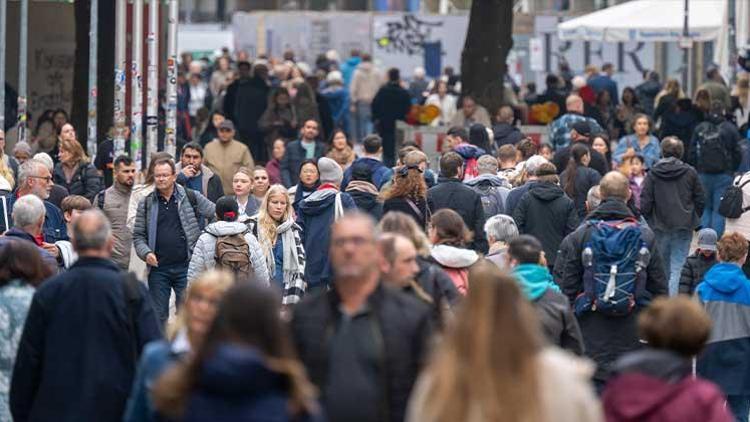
[225,155]
[114,202]
[195,175]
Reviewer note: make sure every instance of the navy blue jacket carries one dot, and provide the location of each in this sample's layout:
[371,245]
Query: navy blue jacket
[54,224]
[234,384]
[381,174]
[604,83]
[292,161]
[17,234]
[315,217]
[78,351]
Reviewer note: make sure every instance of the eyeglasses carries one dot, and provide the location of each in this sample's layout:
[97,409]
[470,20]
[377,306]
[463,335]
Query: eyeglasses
[47,179]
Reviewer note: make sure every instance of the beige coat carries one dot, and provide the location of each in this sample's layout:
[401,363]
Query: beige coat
[480,116]
[366,81]
[566,393]
[225,160]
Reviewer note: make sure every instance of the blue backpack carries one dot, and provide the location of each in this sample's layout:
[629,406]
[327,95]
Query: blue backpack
[615,257]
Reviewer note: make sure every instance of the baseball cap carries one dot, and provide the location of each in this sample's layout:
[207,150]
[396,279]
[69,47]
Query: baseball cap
[582,127]
[707,239]
[226,124]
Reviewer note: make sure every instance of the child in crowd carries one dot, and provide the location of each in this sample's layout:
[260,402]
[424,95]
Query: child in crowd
[697,264]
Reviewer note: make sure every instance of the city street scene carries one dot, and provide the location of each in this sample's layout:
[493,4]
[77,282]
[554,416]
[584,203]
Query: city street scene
[375,210]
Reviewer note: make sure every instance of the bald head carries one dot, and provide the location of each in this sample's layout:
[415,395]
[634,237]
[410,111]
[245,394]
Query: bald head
[614,185]
[92,235]
[574,103]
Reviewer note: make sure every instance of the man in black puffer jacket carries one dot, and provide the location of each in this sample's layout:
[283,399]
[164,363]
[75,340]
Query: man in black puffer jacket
[545,212]
[363,192]
[672,202]
[362,343]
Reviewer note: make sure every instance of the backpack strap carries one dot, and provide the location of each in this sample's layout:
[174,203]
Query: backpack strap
[193,203]
[100,199]
[133,302]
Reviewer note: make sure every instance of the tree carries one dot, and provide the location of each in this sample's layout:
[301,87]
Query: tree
[105,69]
[489,39]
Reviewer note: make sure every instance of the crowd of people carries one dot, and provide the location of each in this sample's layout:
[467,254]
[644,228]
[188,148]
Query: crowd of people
[293,262]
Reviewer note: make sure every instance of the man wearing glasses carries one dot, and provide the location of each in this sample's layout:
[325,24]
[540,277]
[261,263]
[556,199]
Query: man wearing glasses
[34,178]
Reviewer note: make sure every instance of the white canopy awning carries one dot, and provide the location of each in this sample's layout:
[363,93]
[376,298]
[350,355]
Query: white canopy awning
[646,20]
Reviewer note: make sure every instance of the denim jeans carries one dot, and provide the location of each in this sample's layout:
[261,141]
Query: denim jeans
[674,247]
[714,185]
[740,407]
[362,120]
[161,281]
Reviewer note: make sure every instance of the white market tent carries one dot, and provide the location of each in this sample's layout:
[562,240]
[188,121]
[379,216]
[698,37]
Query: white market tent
[647,20]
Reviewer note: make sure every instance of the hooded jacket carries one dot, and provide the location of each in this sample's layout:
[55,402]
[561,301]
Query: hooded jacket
[725,293]
[696,266]
[493,191]
[505,133]
[381,174]
[555,314]
[658,386]
[730,138]
[546,213]
[607,338]
[315,217]
[455,262]
[204,253]
[365,196]
[680,196]
[236,384]
[470,153]
[646,93]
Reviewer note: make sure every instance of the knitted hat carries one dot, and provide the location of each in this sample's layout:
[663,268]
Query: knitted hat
[330,171]
[227,209]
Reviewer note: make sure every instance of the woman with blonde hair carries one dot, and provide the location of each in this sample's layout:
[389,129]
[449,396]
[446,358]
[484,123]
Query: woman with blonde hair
[244,370]
[74,171]
[492,365]
[242,186]
[7,179]
[184,336]
[280,240]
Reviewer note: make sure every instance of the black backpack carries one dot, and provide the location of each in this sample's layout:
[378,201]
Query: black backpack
[731,201]
[710,152]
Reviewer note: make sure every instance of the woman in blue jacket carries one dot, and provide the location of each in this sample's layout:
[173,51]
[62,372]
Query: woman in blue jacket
[245,369]
[725,293]
[184,337]
[641,142]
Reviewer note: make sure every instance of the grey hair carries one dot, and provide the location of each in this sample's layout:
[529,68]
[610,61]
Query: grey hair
[89,236]
[28,210]
[487,164]
[501,227]
[27,169]
[593,198]
[533,163]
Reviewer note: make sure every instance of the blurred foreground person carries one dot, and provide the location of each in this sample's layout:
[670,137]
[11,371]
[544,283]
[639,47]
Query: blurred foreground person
[184,337]
[656,383]
[243,370]
[492,365]
[84,332]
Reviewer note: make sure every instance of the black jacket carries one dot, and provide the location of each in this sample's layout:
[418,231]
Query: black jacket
[368,203]
[680,121]
[598,162]
[546,213]
[78,352]
[420,215]
[245,101]
[558,323]
[292,161]
[403,324]
[730,138]
[607,338]
[505,133]
[672,196]
[585,179]
[391,103]
[696,265]
[451,193]
[85,182]
[646,93]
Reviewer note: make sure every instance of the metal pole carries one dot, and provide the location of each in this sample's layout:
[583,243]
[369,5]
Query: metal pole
[731,15]
[3,14]
[685,51]
[136,96]
[93,34]
[171,129]
[152,111]
[23,53]
[120,76]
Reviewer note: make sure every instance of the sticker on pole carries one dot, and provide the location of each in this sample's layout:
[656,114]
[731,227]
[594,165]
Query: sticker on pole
[685,42]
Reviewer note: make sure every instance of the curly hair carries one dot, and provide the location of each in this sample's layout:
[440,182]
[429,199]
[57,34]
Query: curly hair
[407,182]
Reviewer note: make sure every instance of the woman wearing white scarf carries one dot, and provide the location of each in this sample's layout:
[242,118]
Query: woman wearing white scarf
[279,237]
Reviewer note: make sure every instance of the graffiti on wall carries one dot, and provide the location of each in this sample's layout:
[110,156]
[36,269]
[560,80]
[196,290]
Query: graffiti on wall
[407,34]
[51,71]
